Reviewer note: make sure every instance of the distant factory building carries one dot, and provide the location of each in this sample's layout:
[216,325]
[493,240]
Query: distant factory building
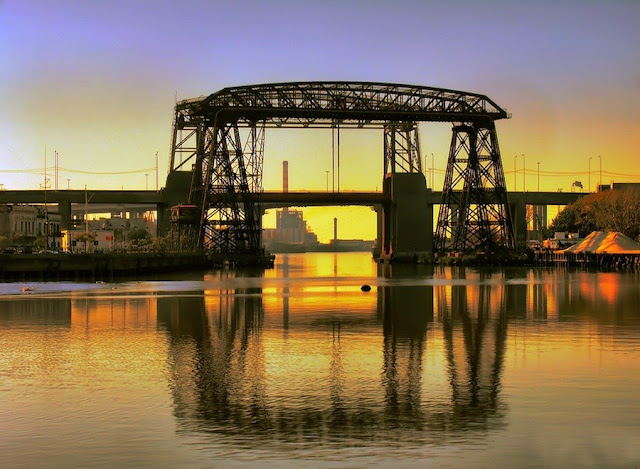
[29,226]
[291,231]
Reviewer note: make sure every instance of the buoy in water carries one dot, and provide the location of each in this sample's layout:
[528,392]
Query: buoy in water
[365,287]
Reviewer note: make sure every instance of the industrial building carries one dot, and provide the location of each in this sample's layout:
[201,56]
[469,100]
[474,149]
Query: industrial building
[29,226]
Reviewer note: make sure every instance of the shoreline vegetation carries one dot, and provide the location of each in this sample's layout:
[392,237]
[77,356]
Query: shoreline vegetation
[609,210]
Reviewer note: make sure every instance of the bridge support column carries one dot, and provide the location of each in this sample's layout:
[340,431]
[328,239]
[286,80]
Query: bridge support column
[377,250]
[539,221]
[519,214]
[406,224]
[163,219]
[64,209]
[260,211]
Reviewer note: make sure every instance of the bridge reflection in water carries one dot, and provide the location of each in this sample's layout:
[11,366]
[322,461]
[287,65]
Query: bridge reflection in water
[329,373]
[297,360]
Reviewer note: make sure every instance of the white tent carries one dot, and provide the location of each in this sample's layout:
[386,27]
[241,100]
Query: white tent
[610,242]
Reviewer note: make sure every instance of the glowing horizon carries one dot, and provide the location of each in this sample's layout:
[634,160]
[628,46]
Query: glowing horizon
[97,83]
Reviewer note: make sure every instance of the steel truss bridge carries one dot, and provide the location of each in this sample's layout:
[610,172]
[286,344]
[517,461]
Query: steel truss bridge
[220,140]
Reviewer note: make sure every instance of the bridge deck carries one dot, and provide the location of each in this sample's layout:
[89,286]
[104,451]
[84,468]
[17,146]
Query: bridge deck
[268,198]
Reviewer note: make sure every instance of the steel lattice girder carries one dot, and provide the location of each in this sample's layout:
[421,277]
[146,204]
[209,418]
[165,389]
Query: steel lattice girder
[402,148]
[323,104]
[305,104]
[478,216]
[226,191]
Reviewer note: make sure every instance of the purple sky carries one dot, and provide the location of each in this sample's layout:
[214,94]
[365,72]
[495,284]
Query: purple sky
[97,80]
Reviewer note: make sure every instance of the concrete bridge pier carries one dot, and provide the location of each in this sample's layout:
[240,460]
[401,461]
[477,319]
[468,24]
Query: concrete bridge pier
[405,228]
[176,191]
[519,217]
[539,221]
[64,209]
[163,219]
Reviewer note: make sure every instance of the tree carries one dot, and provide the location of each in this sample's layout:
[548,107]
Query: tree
[616,210]
[162,244]
[139,237]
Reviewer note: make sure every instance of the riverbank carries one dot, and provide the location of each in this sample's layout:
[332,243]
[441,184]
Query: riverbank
[116,264]
[54,266]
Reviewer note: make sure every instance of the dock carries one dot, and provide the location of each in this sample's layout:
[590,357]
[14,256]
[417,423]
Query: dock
[603,261]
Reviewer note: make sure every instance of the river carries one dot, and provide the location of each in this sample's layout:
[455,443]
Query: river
[296,366]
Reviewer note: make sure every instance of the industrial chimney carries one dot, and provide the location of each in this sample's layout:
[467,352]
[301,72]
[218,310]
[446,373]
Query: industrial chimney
[285,176]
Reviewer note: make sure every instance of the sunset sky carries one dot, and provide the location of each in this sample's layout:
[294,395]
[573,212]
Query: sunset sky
[97,81]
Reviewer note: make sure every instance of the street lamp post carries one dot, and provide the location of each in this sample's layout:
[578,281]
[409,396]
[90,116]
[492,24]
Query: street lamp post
[600,180]
[589,183]
[515,173]
[524,173]
[68,184]
[538,176]
[327,172]
[433,172]
[146,184]
[425,170]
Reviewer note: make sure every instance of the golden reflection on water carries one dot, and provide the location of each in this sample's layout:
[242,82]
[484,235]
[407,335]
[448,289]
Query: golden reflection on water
[299,353]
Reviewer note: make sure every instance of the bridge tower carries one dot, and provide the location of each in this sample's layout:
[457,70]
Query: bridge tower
[224,175]
[405,229]
[225,182]
[474,213]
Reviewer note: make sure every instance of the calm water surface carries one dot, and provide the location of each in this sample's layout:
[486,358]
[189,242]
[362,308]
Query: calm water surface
[296,366]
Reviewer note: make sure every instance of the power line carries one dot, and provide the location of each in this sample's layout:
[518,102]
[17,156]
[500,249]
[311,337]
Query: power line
[77,171]
[135,171]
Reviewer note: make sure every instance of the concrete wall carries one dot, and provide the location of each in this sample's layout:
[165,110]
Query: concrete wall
[407,221]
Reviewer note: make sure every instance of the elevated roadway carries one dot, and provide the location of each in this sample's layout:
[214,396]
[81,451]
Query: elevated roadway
[115,200]
[275,199]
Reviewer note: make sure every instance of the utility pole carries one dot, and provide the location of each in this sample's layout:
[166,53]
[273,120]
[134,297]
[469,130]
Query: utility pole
[46,212]
[433,172]
[600,181]
[86,220]
[327,180]
[333,159]
[157,186]
[515,173]
[338,158]
[524,173]
[146,181]
[589,174]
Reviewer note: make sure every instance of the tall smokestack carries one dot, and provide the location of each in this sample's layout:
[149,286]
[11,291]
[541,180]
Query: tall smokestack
[335,229]
[285,176]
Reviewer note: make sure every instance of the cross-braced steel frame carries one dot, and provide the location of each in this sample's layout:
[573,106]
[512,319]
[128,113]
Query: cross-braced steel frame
[402,148]
[227,176]
[474,213]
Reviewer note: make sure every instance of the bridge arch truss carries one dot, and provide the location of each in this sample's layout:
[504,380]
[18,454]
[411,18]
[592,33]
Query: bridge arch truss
[220,139]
